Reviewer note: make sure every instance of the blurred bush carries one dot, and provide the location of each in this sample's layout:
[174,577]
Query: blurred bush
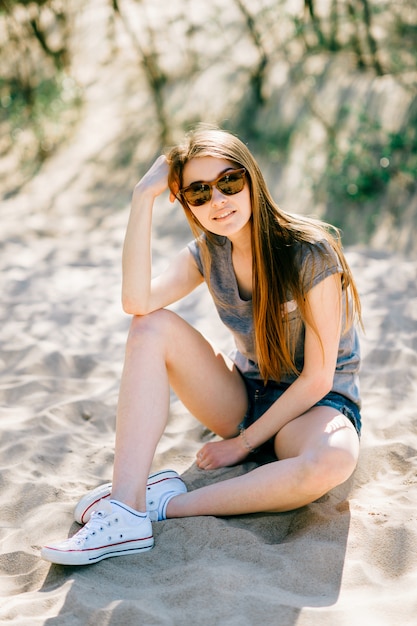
[38,96]
[292,78]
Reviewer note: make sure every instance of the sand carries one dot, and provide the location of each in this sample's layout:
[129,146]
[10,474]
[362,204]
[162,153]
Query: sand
[350,558]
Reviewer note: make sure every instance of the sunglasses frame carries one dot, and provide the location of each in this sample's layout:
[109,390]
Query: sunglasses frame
[214,183]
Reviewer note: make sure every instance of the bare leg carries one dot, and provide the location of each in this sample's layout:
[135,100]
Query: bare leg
[319,450]
[163,350]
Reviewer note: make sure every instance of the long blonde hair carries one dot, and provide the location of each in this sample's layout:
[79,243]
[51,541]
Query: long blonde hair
[274,233]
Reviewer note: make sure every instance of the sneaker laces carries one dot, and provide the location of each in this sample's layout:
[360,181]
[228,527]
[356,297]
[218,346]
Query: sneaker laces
[94,525]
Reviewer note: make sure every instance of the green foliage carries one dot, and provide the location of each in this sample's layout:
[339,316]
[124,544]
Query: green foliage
[361,170]
[359,174]
[21,103]
[7,6]
[38,98]
[266,42]
[38,111]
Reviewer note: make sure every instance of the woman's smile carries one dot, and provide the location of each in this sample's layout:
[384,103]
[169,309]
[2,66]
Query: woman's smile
[223,215]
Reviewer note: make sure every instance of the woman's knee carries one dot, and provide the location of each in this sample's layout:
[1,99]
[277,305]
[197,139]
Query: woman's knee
[324,469]
[326,446]
[155,327]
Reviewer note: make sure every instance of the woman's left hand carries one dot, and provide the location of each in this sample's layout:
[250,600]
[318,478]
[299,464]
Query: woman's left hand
[221,454]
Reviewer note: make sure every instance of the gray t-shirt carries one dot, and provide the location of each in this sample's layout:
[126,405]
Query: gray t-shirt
[238,318]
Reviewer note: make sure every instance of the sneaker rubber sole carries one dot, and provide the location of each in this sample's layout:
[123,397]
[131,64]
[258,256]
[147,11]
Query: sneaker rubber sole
[94,555]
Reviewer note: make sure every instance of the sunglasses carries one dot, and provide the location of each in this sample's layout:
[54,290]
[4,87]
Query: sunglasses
[229,183]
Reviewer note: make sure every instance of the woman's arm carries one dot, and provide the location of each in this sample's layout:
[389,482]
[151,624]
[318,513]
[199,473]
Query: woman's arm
[141,294]
[322,336]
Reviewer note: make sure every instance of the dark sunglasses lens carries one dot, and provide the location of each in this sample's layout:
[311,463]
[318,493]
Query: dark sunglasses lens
[197,195]
[231,183]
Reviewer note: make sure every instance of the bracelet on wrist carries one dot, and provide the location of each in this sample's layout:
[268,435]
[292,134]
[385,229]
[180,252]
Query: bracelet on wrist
[242,434]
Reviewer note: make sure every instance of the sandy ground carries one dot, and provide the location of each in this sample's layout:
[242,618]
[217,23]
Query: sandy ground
[349,558]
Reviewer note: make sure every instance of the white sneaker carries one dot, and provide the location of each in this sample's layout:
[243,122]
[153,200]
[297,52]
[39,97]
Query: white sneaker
[165,481]
[160,491]
[113,530]
[86,505]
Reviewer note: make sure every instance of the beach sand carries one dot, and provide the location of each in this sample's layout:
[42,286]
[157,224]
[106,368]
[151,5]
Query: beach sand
[350,558]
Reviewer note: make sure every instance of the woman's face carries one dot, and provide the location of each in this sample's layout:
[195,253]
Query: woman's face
[226,215]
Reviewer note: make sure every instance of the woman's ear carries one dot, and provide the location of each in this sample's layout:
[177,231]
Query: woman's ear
[173,192]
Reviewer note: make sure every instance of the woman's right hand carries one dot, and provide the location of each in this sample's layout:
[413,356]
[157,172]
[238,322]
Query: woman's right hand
[155,181]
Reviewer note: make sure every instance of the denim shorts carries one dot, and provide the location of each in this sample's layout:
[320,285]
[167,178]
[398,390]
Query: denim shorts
[261,397]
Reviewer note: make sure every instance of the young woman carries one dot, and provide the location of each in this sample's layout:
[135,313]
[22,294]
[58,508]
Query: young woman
[282,286]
